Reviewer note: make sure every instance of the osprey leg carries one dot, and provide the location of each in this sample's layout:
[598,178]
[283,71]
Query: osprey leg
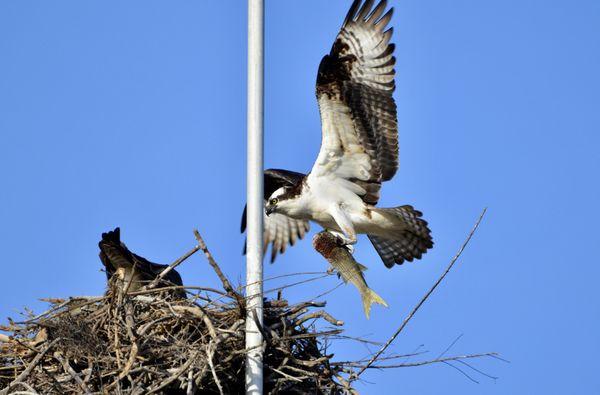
[344,223]
[341,238]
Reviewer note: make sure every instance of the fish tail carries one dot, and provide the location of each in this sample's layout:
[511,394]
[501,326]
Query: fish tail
[368,298]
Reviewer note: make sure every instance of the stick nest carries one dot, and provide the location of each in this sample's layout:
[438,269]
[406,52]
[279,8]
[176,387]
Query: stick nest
[150,342]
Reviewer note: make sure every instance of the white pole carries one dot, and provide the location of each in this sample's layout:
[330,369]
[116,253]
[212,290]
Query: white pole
[254,253]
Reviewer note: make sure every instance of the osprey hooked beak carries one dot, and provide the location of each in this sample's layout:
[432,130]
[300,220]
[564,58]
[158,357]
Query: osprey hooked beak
[271,206]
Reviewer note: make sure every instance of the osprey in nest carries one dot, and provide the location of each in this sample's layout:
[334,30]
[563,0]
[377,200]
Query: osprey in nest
[359,151]
[132,270]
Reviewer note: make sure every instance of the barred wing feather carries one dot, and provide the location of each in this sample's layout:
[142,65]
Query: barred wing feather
[355,83]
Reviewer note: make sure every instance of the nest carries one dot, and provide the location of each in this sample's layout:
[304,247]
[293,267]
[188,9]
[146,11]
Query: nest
[150,342]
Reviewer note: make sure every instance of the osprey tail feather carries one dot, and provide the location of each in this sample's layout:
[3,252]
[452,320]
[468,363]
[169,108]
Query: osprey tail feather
[411,241]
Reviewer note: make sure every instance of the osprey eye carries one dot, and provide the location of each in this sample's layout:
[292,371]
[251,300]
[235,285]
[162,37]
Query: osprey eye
[273,201]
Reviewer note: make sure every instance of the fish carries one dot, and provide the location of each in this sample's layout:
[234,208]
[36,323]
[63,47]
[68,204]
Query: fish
[341,259]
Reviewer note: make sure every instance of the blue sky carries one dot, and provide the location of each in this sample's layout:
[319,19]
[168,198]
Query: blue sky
[132,114]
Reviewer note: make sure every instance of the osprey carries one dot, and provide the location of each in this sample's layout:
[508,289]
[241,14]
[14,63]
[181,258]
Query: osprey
[133,270]
[359,150]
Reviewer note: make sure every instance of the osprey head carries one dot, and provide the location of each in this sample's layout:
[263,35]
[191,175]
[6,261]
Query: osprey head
[282,200]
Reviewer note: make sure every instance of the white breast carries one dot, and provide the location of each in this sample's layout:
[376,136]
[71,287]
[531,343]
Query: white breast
[323,191]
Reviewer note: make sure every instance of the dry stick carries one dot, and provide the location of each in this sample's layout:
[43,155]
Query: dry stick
[320,314]
[29,389]
[475,369]
[278,288]
[416,308]
[259,326]
[134,344]
[296,283]
[428,362]
[215,266]
[287,275]
[209,355]
[239,298]
[172,287]
[292,378]
[197,311]
[116,338]
[319,296]
[461,372]
[32,365]
[88,299]
[175,375]
[68,369]
[190,383]
[360,361]
[90,370]
[358,339]
[173,265]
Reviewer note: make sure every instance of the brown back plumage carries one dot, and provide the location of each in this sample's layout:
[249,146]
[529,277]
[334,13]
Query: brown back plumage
[115,255]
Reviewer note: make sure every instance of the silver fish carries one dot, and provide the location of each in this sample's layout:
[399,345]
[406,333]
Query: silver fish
[348,269]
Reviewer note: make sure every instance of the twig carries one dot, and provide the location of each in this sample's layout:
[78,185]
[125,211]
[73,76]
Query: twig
[259,326]
[287,376]
[134,345]
[173,265]
[329,291]
[421,363]
[477,370]
[226,284]
[197,312]
[360,361]
[209,355]
[460,371]
[296,283]
[190,384]
[32,365]
[30,389]
[88,299]
[416,308]
[176,375]
[320,314]
[173,287]
[450,346]
[68,369]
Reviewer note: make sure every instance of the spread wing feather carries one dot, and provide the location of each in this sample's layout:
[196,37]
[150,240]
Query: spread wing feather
[355,84]
[280,230]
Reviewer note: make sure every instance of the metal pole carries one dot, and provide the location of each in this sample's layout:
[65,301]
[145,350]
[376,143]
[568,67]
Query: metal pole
[254,253]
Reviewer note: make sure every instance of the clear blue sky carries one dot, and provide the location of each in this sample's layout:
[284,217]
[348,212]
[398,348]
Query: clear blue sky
[132,114]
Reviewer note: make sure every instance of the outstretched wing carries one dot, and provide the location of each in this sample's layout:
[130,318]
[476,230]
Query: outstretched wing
[355,83]
[280,230]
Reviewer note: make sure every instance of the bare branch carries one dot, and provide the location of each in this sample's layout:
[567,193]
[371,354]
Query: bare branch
[418,306]
[226,284]
[172,266]
[422,363]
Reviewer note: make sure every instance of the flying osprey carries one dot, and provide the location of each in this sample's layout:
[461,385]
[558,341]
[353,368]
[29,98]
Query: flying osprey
[133,270]
[359,150]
